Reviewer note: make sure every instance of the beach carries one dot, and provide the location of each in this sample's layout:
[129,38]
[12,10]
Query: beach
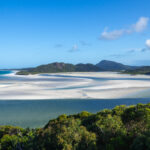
[96,85]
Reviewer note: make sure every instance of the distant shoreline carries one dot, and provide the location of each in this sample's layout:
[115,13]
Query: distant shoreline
[77,85]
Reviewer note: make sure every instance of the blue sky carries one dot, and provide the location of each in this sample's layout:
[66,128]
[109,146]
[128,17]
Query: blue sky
[34,32]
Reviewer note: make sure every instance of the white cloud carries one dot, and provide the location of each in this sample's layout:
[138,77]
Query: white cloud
[140,25]
[145,49]
[74,48]
[112,35]
[148,43]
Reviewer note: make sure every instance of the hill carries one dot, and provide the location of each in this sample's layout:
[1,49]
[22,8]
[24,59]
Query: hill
[122,128]
[141,70]
[113,66]
[87,68]
[104,65]
[60,67]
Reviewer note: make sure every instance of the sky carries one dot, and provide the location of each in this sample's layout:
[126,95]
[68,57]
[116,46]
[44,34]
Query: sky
[35,32]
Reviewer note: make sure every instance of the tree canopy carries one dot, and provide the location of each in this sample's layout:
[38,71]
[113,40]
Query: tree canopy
[122,128]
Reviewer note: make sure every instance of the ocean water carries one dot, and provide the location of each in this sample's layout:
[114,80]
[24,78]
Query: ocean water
[36,113]
[3,72]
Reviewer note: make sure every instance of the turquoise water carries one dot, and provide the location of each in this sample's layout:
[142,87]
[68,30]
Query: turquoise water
[3,72]
[36,113]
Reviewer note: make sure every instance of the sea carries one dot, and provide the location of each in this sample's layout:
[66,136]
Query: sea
[37,113]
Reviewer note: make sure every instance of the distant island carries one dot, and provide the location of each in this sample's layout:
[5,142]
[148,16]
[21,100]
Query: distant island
[122,128]
[60,67]
[104,65]
[107,65]
[57,67]
[141,70]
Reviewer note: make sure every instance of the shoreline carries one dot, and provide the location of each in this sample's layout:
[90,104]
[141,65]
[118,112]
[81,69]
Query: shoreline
[74,99]
[93,85]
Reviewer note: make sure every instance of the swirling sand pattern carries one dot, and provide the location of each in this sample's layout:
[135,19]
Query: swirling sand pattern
[99,85]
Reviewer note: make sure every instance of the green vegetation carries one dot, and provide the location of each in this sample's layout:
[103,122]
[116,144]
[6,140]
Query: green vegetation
[122,128]
[59,67]
[104,65]
[142,70]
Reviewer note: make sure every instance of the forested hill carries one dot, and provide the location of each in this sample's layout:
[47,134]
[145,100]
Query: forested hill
[60,67]
[113,66]
[122,128]
[141,70]
[104,65]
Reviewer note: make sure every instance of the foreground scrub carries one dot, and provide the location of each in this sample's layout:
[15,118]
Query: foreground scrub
[121,128]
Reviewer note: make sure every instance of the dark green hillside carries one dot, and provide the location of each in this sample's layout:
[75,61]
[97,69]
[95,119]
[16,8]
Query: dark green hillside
[60,67]
[54,67]
[86,68]
[142,70]
[122,128]
[104,65]
[50,68]
[113,66]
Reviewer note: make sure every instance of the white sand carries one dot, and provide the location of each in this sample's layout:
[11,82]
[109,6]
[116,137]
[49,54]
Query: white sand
[55,87]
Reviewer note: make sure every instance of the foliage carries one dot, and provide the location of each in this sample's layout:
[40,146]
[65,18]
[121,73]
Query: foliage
[141,70]
[59,67]
[122,128]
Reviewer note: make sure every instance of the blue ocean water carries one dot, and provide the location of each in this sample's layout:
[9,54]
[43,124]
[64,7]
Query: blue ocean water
[36,113]
[3,72]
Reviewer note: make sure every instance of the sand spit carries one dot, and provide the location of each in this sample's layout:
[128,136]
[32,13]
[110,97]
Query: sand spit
[99,85]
